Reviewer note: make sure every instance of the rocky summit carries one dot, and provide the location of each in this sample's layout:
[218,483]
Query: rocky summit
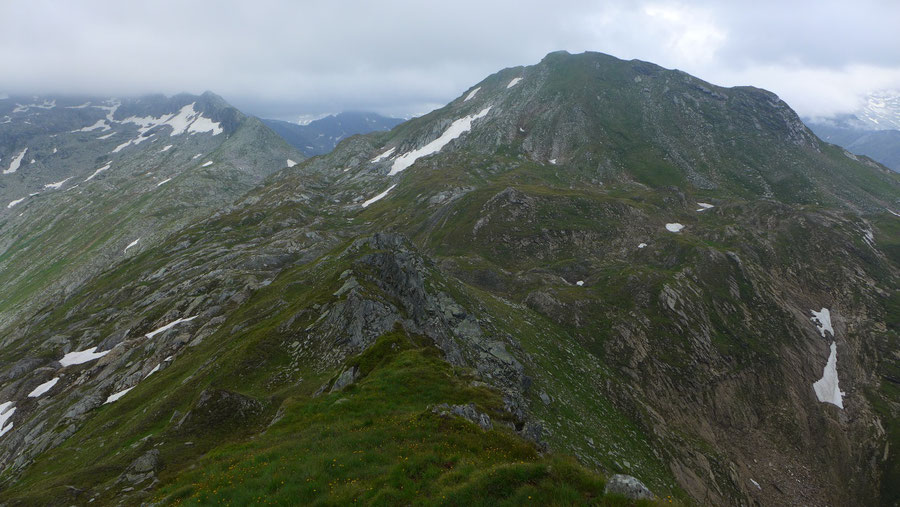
[586,281]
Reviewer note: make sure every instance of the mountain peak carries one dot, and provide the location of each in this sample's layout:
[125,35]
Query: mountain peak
[611,121]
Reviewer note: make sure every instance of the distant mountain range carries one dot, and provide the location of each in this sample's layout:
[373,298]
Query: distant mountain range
[873,130]
[81,178]
[321,136]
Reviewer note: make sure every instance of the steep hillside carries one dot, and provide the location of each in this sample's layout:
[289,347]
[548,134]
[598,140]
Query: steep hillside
[102,179]
[586,257]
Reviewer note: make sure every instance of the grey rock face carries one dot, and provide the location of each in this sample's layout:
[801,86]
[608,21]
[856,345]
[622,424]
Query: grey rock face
[467,412]
[22,367]
[147,462]
[347,377]
[627,486]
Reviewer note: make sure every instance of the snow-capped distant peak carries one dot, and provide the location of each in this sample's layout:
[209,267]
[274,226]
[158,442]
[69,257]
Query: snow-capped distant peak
[881,110]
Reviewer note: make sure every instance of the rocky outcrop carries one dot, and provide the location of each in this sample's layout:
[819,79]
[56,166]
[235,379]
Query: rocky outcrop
[221,410]
[467,412]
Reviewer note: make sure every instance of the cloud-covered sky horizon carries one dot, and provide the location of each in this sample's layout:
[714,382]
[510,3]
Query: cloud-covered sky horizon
[291,59]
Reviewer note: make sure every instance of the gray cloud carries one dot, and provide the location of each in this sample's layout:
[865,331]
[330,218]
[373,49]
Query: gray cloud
[286,58]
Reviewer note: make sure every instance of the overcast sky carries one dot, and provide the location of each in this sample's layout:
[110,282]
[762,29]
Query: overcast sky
[287,59]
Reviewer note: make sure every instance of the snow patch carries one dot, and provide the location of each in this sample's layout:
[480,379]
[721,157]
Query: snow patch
[43,388]
[822,320]
[553,161]
[163,182]
[17,161]
[82,356]
[98,171]
[379,196]
[134,142]
[514,82]
[100,124]
[471,94]
[291,163]
[869,238]
[57,185]
[384,155]
[168,326]
[456,129]
[110,109]
[207,163]
[580,283]
[674,227]
[704,206]
[13,203]
[642,245]
[107,136]
[756,484]
[6,412]
[154,370]
[166,148]
[116,396]
[827,390]
[133,243]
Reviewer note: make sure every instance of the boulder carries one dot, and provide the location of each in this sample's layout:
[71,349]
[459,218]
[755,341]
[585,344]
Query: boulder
[627,486]
[347,377]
